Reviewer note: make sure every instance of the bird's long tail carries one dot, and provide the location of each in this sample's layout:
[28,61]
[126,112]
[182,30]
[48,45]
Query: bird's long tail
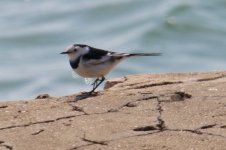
[126,55]
[143,54]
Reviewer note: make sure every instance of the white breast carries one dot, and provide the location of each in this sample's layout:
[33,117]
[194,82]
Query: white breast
[95,68]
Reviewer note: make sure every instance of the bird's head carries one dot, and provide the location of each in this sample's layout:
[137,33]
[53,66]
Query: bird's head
[76,50]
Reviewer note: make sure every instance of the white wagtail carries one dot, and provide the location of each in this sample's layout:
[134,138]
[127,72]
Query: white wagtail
[90,62]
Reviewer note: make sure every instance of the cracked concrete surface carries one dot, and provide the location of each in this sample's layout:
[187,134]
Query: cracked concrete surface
[151,111]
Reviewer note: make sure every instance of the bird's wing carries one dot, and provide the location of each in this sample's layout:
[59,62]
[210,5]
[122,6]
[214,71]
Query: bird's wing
[95,53]
[97,56]
[102,60]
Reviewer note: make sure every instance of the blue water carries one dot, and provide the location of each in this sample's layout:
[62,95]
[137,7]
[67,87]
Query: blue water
[190,34]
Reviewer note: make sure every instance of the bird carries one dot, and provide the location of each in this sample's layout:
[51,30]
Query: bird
[91,62]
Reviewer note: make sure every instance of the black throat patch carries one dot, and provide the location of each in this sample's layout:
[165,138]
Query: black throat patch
[74,63]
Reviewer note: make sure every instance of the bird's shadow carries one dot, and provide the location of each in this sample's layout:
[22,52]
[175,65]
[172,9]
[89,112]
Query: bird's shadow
[85,95]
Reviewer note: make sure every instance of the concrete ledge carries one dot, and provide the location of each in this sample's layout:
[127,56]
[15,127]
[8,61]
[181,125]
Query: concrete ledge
[150,111]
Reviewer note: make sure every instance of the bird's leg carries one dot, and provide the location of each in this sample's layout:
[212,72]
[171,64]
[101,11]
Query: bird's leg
[96,84]
[101,80]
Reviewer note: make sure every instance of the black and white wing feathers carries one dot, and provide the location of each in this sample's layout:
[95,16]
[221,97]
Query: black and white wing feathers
[99,56]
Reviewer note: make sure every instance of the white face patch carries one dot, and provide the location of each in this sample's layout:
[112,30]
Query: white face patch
[76,51]
[69,48]
[72,54]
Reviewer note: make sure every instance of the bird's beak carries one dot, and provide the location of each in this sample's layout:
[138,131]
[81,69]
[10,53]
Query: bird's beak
[64,53]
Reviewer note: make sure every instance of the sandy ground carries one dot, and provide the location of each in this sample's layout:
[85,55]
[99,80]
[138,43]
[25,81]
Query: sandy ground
[175,111]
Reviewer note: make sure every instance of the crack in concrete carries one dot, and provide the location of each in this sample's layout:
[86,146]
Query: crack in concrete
[132,84]
[6,146]
[38,132]
[112,140]
[194,131]
[156,84]
[211,78]
[3,106]
[50,121]
[90,142]
[146,128]
[81,146]
[197,131]
[95,142]
[40,122]
[208,126]
[161,123]
[78,109]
